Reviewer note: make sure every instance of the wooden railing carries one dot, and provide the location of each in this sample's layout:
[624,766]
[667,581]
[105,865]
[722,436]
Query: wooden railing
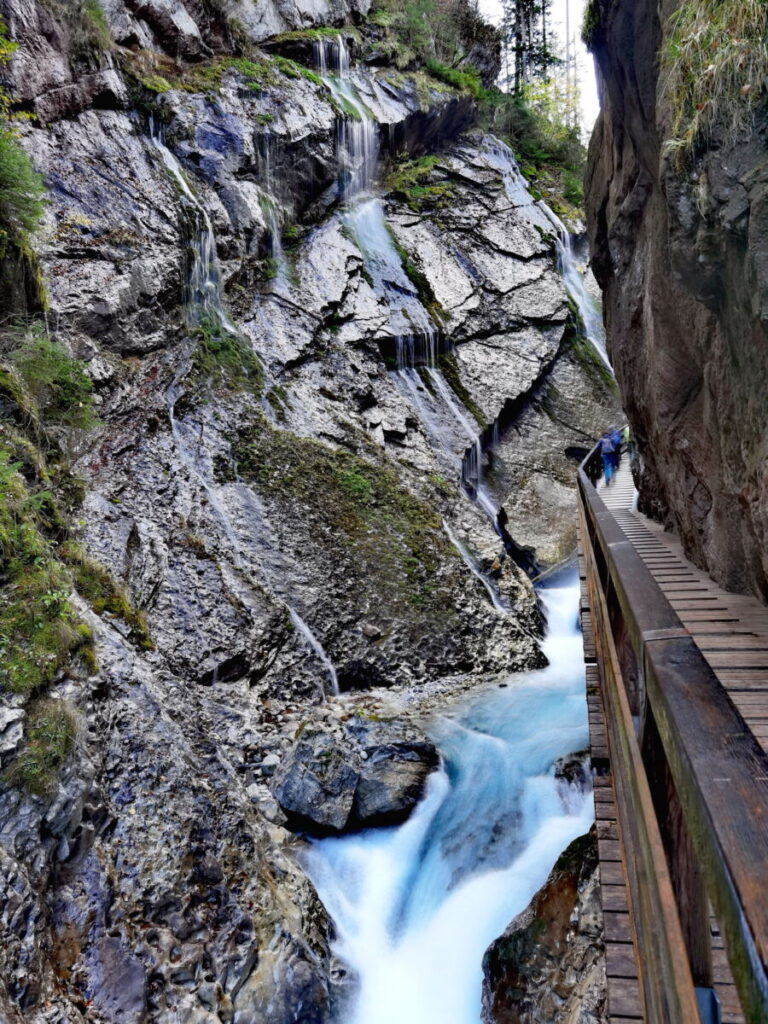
[691,784]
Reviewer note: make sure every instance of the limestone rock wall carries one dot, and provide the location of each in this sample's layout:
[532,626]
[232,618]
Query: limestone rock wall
[679,249]
[548,966]
[269,528]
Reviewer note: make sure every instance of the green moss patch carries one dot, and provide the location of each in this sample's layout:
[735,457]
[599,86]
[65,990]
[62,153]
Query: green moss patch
[450,371]
[412,181]
[315,34]
[465,79]
[95,584]
[50,736]
[384,541]
[42,387]
[223,359]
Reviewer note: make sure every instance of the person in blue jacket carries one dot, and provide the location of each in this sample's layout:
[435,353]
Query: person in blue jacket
[608,453]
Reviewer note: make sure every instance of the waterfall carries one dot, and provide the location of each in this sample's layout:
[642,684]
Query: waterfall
[205,304]
[358,135]
[316,647]
[417,343]
[273,214]
[499,156]
[472,564]
[203,298]
[416,907]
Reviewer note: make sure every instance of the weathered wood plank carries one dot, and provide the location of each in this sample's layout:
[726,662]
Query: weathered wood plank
[620,960]
[624,998]
[745,660]
[666,978]
[614,897]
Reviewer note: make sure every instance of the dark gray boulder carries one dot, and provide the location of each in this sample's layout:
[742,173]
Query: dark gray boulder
[357,775]
[315,785]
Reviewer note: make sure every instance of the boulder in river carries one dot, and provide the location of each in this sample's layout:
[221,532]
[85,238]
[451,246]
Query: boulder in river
[548,967]
[367,772]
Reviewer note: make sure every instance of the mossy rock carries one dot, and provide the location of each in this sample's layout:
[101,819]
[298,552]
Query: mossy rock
[382,538]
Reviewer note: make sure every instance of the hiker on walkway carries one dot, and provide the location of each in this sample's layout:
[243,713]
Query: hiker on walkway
[617,439]
[608,453]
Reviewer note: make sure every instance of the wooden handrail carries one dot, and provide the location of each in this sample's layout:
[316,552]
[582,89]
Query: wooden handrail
[718,770]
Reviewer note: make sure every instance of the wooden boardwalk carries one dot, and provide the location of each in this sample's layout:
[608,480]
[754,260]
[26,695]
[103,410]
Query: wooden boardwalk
[731,631]
[624,1002]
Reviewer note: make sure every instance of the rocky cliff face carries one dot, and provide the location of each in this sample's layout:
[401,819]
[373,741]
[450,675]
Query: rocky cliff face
[679,247]
[547,967]
[289,393]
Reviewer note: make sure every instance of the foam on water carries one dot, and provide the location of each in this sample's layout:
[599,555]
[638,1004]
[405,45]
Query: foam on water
[416,907]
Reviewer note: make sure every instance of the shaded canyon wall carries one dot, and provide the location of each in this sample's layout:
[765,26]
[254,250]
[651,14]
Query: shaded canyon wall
[680,247]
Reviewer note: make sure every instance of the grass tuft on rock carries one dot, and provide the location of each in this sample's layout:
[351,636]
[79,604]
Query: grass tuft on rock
[714,69]
[50,737]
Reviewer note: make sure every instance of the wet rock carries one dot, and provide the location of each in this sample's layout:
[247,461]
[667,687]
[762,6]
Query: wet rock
[367,773]
[548,966]
[678,241]
[11,731]
[162,860]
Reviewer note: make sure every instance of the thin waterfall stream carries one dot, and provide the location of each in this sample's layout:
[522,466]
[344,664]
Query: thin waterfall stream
[416,907]
[205,305]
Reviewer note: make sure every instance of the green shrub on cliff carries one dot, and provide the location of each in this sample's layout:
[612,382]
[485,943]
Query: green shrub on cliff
[57,383]
[39,629]
[592,25]
[466,78]
[50,732]
[21,187]
[714,68]
[86,25]
[444,33]
[551,154]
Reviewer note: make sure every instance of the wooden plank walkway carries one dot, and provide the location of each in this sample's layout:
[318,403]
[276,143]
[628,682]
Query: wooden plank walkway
[624,1002]
[731,631]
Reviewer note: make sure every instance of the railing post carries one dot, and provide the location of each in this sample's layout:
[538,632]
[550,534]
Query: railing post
[701,772]
[684,869]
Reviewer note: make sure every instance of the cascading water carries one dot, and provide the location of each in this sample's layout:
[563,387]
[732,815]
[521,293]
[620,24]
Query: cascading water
[273,214]
[204,301]
[575,282]
[416,907]
[472,564]
[358,136]
[205,305]
[499,156]
[416,351]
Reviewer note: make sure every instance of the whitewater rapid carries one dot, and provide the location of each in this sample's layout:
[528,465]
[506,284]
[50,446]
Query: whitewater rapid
[416,907]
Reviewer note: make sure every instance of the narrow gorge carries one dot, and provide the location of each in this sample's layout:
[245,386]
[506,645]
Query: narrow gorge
[296,368]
